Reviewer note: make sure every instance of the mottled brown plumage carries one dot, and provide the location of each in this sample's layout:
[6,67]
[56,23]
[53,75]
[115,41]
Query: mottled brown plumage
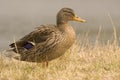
[48,42]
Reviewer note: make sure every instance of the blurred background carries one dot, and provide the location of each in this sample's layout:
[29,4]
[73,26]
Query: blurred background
[19,17]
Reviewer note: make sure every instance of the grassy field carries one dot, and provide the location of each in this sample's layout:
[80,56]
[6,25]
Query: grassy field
[82,62]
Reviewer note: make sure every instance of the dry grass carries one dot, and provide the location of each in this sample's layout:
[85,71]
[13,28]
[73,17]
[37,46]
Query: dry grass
[81,62]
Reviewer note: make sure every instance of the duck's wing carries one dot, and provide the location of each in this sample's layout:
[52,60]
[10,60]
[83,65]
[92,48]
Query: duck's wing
[41,35]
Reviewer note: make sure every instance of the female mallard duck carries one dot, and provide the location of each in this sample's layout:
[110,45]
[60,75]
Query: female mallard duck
[48,42]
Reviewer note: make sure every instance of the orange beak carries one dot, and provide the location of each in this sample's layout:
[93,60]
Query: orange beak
[76,18]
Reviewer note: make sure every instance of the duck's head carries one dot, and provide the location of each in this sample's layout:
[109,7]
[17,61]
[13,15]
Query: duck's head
[67,14]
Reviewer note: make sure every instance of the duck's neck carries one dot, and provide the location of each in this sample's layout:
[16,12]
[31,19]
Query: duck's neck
[63,26]
[68,33]
[61,22]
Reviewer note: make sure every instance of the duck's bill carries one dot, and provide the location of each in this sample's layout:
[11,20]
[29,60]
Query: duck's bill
[76,18]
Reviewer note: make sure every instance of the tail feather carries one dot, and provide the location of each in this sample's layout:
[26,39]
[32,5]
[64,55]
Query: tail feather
[12,45]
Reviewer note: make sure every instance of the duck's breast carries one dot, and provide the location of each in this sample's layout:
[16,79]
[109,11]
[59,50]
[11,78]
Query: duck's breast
[69,36]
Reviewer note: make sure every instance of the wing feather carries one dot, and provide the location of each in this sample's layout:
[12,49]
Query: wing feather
[41,35]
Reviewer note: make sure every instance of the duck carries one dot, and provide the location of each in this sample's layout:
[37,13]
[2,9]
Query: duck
[48,42]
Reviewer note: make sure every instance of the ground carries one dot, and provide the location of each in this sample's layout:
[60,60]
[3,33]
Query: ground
[80,62]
